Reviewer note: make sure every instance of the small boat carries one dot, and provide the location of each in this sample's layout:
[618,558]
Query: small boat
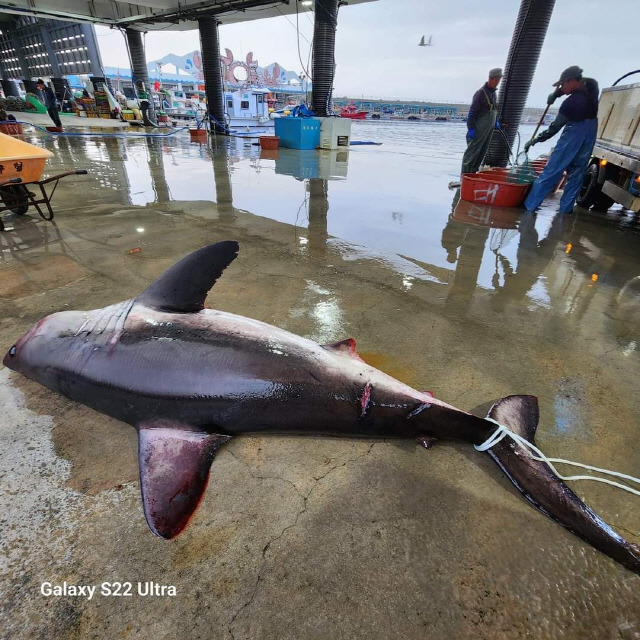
[351,111]
[248,107]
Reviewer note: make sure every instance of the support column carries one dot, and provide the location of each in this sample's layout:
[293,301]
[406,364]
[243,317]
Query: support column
[140,75]
[89,33]
[212,71]
[524,52]
[45,35]
[324,43]
[10,88]
[22,60]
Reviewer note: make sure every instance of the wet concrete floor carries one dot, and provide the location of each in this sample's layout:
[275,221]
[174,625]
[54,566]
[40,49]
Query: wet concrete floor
[317,537]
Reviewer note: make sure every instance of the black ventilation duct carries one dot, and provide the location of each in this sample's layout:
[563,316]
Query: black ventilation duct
[324,43]
[524,52]
[212,71]
[140,75]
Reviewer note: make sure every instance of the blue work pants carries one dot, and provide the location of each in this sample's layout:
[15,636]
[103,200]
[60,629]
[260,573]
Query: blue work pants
[571,154]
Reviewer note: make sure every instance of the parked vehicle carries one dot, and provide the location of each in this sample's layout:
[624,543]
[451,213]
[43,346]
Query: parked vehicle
[614,170]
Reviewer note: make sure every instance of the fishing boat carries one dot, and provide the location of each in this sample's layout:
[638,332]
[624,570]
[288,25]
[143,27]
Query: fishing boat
[351,111]
[248,107]
[180,104]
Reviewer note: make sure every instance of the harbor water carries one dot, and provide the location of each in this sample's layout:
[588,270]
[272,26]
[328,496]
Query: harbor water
[321,537]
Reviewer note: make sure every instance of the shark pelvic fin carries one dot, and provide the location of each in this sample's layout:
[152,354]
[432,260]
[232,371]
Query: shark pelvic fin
[174,472]
[184,287]
[348,347]
[518,413]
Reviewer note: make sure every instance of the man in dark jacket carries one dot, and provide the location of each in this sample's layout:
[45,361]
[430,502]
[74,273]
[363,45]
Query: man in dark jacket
[578,116]
[481,122]
[50,102]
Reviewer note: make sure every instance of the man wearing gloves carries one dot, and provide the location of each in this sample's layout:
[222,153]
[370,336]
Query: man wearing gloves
[579,117]
[481,122]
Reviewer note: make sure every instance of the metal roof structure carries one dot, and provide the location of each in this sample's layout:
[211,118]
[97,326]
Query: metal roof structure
[149,15]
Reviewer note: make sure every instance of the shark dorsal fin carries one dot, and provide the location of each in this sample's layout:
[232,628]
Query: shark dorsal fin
[518,413]
[184,287]
[174,472]
[347,347]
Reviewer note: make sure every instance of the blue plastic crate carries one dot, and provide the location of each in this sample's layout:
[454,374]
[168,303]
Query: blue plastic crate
[298,133]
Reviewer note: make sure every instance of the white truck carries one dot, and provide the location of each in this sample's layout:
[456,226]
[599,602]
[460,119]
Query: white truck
[614,171]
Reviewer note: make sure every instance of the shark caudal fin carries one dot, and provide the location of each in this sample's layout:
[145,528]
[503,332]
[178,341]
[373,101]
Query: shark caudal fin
[174,473]
[542,487]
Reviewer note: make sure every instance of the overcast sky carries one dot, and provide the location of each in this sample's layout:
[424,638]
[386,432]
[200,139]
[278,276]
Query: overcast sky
[377,54]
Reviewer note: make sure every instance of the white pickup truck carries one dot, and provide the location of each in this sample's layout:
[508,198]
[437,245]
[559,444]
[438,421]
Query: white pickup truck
[614,171]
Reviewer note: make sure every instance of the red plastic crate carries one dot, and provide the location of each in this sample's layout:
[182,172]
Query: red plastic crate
[487,188]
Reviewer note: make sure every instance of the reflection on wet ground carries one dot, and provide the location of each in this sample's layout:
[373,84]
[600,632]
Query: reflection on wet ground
[471,302]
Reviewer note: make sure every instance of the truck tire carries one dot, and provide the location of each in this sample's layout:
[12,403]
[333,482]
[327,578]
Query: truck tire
[590,189]
[603,202]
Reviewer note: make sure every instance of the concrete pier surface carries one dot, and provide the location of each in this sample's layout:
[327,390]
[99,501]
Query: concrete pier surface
[320,537]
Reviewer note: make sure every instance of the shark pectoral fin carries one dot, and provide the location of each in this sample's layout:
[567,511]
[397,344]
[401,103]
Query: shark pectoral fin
[347,347]
[174,472]
[184,287]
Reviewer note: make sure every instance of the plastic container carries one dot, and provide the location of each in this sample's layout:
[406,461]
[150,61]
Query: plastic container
[494,190]
[198,135]
[298,133]
[20,159]
[269,142]
[11,128]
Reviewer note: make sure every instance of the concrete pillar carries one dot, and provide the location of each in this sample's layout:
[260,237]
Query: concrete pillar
[140,75]
[91,43]
[10,88]
[22,60]
[324,41]
[212,71]
[45,35]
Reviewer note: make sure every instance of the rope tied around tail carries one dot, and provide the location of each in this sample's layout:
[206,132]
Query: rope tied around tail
[503,432]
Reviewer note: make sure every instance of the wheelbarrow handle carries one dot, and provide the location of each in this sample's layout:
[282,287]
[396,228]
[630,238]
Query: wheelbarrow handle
[10,181]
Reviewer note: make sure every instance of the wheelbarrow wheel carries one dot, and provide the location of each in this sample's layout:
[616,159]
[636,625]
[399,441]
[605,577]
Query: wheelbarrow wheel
[16,198]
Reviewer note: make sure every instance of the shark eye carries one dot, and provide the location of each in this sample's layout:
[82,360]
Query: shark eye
[12,351]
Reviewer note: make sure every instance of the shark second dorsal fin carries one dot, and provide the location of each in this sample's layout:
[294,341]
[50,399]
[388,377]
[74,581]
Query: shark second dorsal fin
[184,287]
[348,347]
[174,472]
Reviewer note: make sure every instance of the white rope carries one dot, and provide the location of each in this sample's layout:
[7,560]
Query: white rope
[502,432]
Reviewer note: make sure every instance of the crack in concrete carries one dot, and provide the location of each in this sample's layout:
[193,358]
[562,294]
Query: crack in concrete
[305,499]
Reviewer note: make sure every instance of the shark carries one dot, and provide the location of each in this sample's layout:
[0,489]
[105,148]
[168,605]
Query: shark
[189,378]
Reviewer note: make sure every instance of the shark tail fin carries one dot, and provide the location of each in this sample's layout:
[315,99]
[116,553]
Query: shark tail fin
[544,489]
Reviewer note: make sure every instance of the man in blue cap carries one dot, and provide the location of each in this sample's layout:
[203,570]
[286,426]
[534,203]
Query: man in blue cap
[481,121]
[579,117]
